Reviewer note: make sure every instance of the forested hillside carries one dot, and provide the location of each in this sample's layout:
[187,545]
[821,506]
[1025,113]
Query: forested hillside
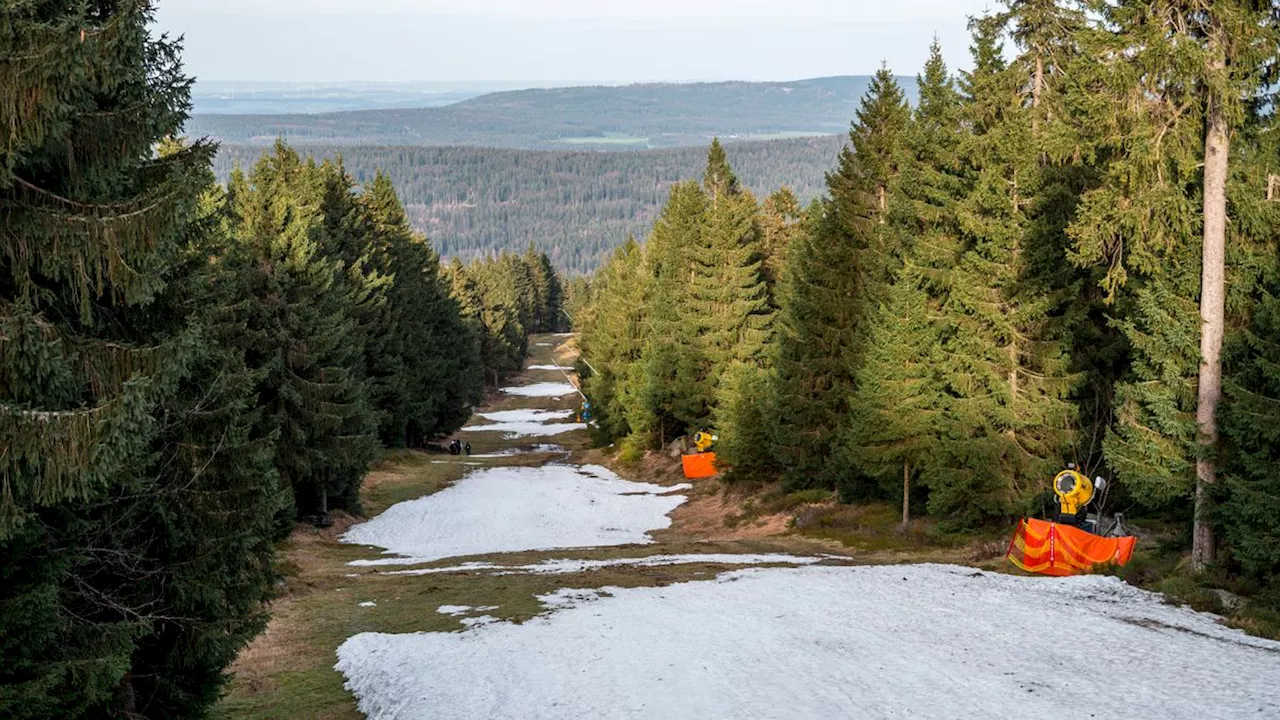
[575,206]
[1037,264]
[616,118]
[187,370]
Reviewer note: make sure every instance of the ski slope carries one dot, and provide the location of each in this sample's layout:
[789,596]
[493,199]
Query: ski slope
[921,641]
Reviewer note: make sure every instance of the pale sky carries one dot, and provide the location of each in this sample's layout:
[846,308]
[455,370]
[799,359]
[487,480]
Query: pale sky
[562,40]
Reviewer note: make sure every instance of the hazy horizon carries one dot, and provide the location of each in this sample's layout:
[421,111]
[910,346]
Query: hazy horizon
[559,42]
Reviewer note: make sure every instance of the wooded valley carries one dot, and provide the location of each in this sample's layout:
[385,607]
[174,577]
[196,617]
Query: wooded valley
[575,206]
[1068,253]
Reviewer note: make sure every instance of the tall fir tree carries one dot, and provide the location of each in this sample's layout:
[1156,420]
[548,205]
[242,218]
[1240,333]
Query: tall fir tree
[612,336]
[135,544]
[1163,120]
[892,434]
[435,358]
[668,393]
[835,274]
[1008,419]
[302,332]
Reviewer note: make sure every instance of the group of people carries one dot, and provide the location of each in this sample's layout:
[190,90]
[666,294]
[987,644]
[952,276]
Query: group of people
[457,448]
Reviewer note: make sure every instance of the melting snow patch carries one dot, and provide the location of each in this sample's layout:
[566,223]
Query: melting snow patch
[508,509]
[512,430]
[549,367]
[566,567]
[546,389]
[369,603]
[526,415]
[922,641]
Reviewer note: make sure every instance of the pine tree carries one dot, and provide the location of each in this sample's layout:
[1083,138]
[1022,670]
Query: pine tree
[1004,355]
[1164,118]
[302,331]
[128,585]
[834,274]
[668,393]
[435,358]
[612,327]
[900,400]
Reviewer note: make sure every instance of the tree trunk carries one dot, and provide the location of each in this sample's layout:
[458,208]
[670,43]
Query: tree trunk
[906,494]
[1212,302]
[1037,83]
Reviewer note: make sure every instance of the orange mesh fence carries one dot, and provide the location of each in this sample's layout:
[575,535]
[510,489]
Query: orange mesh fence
[702,465]
[1052,549]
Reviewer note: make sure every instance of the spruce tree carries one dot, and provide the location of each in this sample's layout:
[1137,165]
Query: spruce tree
[612,328]
[892,435]
[728,298]
[437,377]
[1164,119]
[780,225]
[302,332]
[668,393]
[1251,428]
[135,508]
[835,272]
[1007,419]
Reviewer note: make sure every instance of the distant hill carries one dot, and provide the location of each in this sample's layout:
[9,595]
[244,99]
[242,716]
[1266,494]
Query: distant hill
[274,98]
[631,117]
[577,206]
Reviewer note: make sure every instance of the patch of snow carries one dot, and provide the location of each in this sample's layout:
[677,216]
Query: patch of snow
[453,609]
[479,620]
[368,603]
[549,367]
[526,415]
[508,509]
[544,344]
[545,389]
[921,641]
[566,566]
[512,430]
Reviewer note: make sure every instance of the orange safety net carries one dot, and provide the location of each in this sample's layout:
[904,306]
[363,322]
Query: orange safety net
[702,465]
[1053,549]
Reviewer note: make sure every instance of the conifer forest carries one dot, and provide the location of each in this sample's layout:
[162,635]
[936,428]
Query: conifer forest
[1067,253]
[190,368]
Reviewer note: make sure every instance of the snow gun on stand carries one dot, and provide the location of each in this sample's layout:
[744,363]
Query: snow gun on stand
[1071,543]
[701,464]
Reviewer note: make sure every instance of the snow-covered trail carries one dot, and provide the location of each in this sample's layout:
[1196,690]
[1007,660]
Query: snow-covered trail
[922,641]
[812,640]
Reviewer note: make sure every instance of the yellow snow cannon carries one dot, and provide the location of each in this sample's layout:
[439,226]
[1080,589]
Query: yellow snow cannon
[1075,491]
[703,440]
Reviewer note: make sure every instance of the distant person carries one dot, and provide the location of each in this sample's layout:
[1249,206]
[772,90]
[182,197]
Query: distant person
[468,449]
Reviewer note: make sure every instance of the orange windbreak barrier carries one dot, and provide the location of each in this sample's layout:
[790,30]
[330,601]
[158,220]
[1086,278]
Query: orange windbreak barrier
[702,465]
[1052,549]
